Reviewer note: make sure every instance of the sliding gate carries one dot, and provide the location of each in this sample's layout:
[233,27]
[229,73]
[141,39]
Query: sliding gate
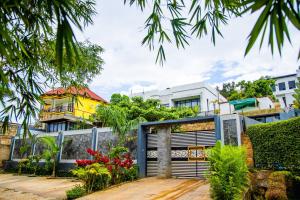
[187,153]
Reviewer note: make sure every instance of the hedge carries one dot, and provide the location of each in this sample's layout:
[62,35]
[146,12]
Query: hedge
[276,145]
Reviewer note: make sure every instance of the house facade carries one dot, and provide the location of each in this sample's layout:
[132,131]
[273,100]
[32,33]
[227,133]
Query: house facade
[65,108]
[198,94]
[284,88]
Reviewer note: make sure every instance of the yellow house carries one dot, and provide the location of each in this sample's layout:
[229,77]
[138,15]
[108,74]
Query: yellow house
[65,108]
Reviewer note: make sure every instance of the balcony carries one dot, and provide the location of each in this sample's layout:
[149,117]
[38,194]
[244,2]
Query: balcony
[56,113]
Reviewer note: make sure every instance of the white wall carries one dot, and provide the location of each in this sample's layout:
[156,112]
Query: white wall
[287,93]
[195,90]
[265,103]
[226,108]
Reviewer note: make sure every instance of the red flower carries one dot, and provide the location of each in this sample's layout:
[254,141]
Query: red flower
[105,159]
[84,162]
[109,167]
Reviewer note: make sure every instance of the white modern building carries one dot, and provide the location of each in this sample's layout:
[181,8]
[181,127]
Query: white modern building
[190,95]
[284,88]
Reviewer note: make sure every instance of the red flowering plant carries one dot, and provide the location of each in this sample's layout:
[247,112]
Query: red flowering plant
[119,162]
[98,157]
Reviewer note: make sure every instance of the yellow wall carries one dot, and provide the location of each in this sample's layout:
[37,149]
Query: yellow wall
[84,107]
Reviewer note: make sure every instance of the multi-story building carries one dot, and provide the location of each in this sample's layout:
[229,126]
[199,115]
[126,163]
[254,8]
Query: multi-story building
[284,88]
[198,94]
[65,108]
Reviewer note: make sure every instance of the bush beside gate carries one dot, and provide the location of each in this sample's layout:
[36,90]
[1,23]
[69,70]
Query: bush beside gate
[276,145]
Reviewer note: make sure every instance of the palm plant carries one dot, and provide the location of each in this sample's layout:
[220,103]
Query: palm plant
[52,149]
[117,119]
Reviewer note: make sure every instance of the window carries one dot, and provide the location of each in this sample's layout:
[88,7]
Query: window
[292,84]
[188,103]
[281,86]
[165,105]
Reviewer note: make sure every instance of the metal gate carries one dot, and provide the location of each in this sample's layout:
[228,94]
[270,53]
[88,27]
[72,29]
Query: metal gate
[186,148]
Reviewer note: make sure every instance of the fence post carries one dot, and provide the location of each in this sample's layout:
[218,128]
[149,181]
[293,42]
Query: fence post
[94,139]
[60,139]
[217,121]
[141,152]
[12,147]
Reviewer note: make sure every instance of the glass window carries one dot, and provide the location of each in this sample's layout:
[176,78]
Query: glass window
[292,84]
[281,86]
[188,103]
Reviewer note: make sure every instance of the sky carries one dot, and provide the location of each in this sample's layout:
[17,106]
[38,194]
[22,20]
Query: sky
[130,67]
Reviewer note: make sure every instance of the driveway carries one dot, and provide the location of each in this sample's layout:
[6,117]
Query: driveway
[155,189]
[14,187]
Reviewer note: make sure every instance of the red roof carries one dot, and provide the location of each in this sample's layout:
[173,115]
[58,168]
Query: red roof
[76,91]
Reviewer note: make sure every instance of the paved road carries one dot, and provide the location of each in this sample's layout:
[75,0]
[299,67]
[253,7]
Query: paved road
[40,188]
[33,188]
[155,189]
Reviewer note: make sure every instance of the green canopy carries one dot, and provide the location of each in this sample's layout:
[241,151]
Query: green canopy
[242,103]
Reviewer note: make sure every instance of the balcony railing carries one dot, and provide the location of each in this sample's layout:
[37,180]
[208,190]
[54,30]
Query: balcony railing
[58,109]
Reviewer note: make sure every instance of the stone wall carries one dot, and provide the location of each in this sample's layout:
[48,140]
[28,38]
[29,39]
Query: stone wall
[5,141]
[246,142]
[198,126]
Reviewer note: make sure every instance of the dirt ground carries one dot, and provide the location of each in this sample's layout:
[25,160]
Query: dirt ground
[155,189]
[14,187]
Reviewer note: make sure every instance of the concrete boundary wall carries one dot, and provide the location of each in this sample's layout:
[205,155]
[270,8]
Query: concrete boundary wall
[68,140]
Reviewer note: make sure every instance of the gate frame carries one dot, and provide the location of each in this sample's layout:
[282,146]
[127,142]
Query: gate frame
[142,136]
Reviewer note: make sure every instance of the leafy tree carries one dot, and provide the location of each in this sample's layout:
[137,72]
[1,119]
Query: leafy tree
[149,109]
[117,119]
[52,149]
[297,95]
[248,89]
[123,114]
[228,89]
[38,48]
[179,20]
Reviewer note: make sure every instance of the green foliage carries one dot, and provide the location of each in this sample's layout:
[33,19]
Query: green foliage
[117,120]
[297,95]
[228,172]
[275,144]
[51,151]
[21,164]
[124,113]
[178,21]
[117,152]
[95,176]
[131,173]
[248,89]
[150,109]
[76,192]
[38,49]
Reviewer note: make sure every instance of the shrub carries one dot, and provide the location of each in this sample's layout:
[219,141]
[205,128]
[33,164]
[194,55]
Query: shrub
[228,172]
[76,192]
[118,162]
[276,144]
[95,176]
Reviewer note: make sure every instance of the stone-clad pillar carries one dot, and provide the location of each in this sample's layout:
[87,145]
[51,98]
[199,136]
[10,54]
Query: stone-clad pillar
[164,151]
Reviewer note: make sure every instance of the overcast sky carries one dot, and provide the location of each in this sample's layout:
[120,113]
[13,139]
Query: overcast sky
[131,67]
